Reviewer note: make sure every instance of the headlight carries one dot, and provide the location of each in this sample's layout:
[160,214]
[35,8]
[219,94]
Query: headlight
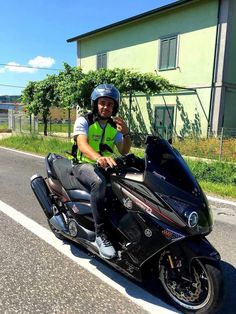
[192,218]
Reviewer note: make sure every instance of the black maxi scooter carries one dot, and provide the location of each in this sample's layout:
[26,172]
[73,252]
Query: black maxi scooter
[157,218]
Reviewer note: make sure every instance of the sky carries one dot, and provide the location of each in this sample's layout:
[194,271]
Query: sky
[33,33]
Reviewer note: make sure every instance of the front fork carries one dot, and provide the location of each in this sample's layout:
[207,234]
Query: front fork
[179,255]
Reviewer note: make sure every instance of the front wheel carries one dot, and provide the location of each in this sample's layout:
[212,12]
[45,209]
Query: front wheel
[202,293]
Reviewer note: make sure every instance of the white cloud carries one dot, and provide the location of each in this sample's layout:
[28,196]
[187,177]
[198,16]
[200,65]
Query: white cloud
[16,67]
[41,62]
[33,65]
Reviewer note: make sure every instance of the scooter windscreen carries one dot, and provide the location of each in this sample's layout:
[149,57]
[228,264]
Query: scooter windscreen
[167,163]
[169,177]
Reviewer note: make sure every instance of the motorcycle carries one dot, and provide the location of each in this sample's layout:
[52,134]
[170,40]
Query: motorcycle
[157,218]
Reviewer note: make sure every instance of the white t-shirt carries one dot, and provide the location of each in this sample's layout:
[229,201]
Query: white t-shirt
[81,127]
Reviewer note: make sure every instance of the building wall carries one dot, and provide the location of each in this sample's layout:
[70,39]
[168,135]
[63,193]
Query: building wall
[136,46]
[229,77]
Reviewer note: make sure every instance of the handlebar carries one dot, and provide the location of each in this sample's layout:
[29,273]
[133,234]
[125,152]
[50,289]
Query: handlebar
[129,160]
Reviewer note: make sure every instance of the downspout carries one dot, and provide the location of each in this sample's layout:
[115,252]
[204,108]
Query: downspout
[212,97]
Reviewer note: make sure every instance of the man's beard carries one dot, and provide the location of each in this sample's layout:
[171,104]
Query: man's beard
[104,118]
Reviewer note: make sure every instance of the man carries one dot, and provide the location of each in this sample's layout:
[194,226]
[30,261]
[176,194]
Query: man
[90,133]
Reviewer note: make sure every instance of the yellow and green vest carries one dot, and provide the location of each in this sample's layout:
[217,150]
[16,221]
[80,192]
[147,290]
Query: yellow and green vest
[98,135]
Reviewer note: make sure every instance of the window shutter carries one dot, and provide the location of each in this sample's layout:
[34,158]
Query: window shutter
[164,54]
[168,48]
[102,60]
[172,52]
[99,61]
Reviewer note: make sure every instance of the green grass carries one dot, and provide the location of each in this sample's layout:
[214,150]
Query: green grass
[215,177]
[56,128]
[41,145]
[223,190]
[4,127]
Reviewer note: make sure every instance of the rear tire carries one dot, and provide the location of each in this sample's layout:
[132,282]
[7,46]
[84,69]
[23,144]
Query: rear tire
[204,294]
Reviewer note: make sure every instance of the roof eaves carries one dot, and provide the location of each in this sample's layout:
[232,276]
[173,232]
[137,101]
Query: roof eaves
[130,19]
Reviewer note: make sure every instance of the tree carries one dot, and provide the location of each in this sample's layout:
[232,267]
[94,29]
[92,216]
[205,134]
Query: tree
[67,89]
[67,86]
[127,81]
[72,87]
[40,97]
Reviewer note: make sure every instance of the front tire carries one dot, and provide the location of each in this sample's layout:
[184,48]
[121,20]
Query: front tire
[202,294]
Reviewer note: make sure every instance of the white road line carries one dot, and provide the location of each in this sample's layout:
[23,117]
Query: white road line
[20,152]
[118,282]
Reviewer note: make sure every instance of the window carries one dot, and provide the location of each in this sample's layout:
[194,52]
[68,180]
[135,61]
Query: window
[164,117]
[102,60]
[168,53]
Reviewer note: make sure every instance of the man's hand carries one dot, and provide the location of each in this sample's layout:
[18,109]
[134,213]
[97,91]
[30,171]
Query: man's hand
[121,126]
[105,162]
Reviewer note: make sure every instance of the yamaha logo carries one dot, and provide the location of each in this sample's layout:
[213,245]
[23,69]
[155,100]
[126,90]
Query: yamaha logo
[148,233]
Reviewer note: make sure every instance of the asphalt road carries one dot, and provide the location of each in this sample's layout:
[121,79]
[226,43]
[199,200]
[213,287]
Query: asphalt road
[36,278]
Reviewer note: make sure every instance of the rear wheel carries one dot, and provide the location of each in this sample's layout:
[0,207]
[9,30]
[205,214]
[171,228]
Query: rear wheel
[202,293]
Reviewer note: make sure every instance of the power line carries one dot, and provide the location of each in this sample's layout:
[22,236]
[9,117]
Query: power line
[28,66]
[5,85]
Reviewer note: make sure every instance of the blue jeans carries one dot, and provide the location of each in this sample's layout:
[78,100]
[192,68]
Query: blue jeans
[92,178]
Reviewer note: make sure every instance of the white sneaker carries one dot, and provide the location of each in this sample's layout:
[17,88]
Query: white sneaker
[105,247]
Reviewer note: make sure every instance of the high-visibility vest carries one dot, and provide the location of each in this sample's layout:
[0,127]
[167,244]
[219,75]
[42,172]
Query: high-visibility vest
[98,135]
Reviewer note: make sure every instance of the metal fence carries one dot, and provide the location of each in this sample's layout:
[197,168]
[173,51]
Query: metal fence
[220,145]
[21,123]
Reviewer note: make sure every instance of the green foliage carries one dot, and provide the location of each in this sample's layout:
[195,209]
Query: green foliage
[72,86]
[215,172]
[40,97]
[127,81]
[67,86]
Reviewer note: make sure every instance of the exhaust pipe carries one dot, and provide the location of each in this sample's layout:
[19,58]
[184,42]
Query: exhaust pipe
[42,194]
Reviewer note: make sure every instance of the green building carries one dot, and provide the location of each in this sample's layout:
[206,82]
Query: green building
[189,42]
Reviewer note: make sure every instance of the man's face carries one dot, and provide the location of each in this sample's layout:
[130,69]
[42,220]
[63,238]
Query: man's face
[105,107]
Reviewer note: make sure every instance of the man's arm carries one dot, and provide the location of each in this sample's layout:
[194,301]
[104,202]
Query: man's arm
[85,148]
[124,146]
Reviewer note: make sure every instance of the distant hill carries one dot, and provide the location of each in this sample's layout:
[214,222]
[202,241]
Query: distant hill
[9,98]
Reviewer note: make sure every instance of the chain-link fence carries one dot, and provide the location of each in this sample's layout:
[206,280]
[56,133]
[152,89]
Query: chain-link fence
[220,145]
[22,123]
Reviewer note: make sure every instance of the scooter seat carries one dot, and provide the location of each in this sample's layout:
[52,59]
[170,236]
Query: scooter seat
[63,170]
[78,195]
